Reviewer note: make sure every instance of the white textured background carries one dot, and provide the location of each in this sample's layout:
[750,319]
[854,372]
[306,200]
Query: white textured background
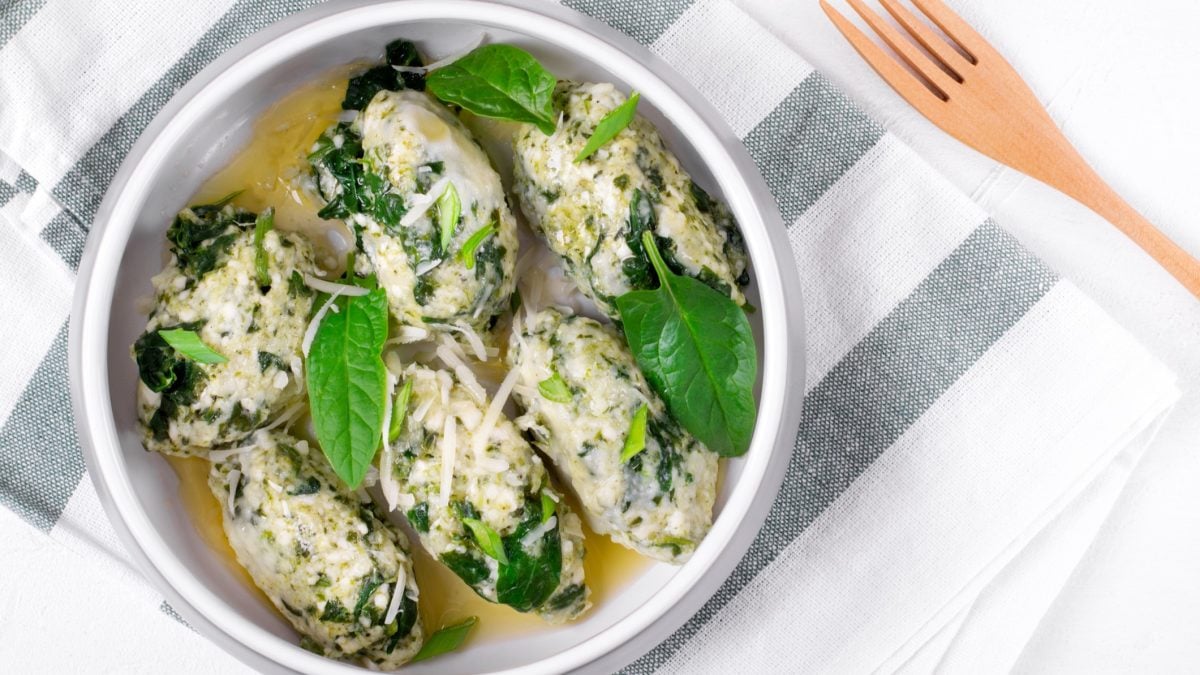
[1123,79]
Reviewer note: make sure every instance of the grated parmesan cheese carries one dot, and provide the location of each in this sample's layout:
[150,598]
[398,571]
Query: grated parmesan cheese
[445,60]
[397,593]
[311,331]
[449,447]
[319,284]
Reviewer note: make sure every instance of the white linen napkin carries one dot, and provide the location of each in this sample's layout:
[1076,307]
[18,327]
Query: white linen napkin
[968,415]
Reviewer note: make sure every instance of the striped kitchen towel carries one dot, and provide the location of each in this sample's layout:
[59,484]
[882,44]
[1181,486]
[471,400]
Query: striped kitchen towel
[965,409]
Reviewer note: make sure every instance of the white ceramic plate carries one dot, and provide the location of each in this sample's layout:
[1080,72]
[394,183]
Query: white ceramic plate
[200,130]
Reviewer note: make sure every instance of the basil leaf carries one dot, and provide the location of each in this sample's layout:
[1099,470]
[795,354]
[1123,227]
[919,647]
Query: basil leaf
[488,539]
[635,442]
[262,225]
[695,348]
[610,125]
[467,254]
[499,81]
[445,640]
[399,410]
[555,389]
[449,210]
[189,344]
[347,383]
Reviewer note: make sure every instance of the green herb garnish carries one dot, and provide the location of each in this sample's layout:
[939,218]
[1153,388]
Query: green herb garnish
[695,347]
[445,640]
[555,389]
[449,210]
[488,539]
[467,254]
[347,383]
[262,225]
[635,441]
[498,81]
[189,344]
[548,506]
[399,410]
[610,125]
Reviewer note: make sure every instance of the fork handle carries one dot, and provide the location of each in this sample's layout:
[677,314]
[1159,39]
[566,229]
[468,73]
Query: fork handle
[1075,178]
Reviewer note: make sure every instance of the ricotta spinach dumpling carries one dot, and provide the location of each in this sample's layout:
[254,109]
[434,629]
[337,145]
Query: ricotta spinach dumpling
[481,501]
[327,560]
[593,212]
[640,478]
[426,206]
[240,295]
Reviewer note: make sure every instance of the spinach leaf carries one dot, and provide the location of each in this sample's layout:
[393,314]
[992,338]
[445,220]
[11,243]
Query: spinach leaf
[189,344]
[262,225]
[555,388]
[445,640]
[347,383]
[402,625]
[532,573]
[635,441]
[200,234]
[695,348]
[267,359]
[487,538]
[471,569]
[610,125]
[362,88]
[641,219]
[499,81]
[164,371]
[569,596]
[336,612]
[418,517]
[369,585]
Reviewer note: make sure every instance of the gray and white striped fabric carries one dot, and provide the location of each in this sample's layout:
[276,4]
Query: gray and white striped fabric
[960,396]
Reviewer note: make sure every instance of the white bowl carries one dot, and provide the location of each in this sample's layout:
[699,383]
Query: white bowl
[207,122]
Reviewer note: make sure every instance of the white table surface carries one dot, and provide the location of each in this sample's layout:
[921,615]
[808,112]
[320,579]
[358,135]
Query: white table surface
[1123,79]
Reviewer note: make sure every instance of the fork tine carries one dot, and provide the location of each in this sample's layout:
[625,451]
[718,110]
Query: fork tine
[916,92]
[919,61]
[951,61]
[960,31]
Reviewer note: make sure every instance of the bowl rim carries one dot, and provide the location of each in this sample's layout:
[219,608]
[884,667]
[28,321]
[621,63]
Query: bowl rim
[735,172]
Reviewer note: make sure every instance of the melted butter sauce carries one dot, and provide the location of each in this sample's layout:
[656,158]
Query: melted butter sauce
[264,170]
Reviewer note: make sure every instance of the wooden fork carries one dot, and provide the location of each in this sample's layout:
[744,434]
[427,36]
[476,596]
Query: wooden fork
[973,94]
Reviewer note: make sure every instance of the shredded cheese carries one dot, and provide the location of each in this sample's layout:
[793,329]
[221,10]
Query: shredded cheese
[231,484]
[287,416]
[535,535]
[421,203]
[444,61]
[386,482]
[472,338]
[320,284]
[426,266]
[465,375]
[311,331]
[397,593]
[217,456]
[483,432]
[449,447]
[410,334]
